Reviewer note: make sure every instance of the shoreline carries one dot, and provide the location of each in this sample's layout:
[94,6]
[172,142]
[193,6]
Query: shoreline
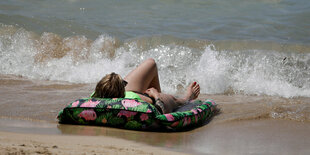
[247,124]
[262,136]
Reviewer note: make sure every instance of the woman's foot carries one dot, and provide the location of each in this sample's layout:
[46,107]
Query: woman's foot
[193,91]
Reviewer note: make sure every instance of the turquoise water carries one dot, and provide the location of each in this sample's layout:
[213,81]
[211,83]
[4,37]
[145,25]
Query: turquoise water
[259,47]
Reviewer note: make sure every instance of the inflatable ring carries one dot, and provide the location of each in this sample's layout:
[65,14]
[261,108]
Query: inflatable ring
[134,114]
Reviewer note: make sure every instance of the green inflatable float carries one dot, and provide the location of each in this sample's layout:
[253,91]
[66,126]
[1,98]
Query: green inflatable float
[134,114]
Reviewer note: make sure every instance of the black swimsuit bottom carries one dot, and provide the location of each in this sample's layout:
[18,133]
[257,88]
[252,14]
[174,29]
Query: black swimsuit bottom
[146,95]
[153,101]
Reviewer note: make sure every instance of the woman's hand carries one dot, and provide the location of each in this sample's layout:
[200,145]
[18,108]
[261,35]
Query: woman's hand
[152,92]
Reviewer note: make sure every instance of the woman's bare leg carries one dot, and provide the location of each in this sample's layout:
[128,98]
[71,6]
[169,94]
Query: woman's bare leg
[146,76]
[143,77]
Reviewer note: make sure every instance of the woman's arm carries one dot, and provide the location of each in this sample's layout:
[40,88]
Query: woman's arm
[159,104]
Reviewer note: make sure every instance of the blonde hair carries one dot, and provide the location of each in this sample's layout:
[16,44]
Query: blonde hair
[110,86]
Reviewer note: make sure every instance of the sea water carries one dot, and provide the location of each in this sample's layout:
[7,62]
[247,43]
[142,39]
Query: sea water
[250,47]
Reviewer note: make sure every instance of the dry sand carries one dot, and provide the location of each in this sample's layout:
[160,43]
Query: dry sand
[263,136]
[21,143]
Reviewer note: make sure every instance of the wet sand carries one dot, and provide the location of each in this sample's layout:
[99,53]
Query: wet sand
[266,136]
[246,124]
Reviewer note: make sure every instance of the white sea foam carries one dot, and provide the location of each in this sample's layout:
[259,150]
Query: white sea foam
[255,72]
[84,61]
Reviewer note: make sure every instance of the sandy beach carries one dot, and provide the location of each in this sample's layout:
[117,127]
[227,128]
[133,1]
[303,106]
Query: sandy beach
[17,143]
[240,137]
[246,124]
[30,127]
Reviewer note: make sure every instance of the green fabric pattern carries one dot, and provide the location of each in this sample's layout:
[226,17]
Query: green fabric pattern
[192,117]
[132,114]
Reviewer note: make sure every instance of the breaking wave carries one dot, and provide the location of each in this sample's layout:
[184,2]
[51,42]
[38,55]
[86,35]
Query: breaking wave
[221,67]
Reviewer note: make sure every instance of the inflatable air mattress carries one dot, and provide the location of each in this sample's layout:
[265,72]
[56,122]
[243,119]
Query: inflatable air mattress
[134,114]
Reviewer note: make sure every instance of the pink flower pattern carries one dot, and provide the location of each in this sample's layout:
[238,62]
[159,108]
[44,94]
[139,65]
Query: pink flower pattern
[175,124]
[88,115]
[91,115]
[126,113]
[194,111]
[213,103]
[144,117]
[184,121]
[75,104]
[130,103]
[169,117]
[187,121]
[90,103]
